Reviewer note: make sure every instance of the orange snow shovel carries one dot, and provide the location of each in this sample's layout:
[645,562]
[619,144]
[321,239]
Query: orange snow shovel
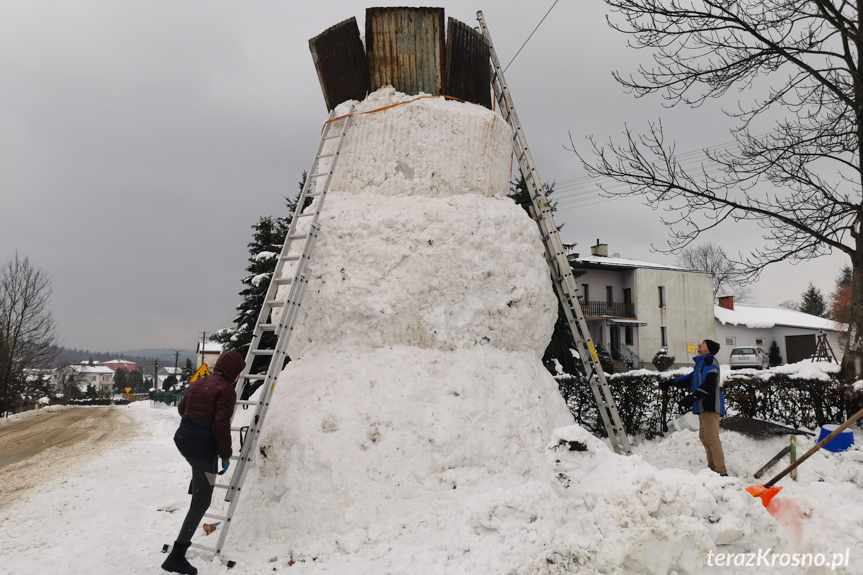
[767,491]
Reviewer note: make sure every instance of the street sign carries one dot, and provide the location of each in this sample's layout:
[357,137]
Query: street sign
[128,389]
[202,372]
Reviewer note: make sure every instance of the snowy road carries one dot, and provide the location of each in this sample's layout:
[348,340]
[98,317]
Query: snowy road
[40,445]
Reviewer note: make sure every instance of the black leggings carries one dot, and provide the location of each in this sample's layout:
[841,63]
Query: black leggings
[201,489]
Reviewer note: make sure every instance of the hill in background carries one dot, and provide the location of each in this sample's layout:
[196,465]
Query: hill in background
[143,357]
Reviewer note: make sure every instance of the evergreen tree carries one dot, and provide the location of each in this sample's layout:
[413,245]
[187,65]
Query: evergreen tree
[560,348]
[121,381]
[187,372]
[169,383]
[135,380]
[773,354]
[266,245]
[840,299]
[812,302]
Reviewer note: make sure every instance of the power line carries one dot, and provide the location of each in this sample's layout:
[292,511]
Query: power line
[531,35]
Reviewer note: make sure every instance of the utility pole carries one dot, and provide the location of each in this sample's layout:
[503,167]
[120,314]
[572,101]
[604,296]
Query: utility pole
[156,375]
[203,343]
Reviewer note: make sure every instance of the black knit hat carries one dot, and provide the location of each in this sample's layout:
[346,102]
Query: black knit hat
[229,365]
[712,346]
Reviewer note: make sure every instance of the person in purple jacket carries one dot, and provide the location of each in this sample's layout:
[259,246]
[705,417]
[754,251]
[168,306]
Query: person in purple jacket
[203,437]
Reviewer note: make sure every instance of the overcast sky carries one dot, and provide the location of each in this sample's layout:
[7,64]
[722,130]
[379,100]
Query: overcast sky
[140,141]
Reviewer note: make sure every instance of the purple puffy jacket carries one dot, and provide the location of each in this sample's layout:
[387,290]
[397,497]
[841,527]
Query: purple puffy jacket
[207,408]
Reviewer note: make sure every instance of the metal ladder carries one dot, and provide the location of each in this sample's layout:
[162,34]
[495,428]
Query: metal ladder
[277,316]
[561,272]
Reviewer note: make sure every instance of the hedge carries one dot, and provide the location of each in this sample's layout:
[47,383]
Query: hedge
[791,401]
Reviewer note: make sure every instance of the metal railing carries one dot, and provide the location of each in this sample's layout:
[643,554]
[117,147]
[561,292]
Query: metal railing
[606,309]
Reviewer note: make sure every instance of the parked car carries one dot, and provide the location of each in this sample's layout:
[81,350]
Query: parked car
[751,356]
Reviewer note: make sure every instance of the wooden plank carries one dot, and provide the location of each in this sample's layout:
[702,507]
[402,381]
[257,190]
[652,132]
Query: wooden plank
[341,63]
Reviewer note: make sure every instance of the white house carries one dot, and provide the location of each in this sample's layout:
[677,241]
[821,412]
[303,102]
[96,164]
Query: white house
[634,308]
[97,375]
[208,353]
[165,372]
[794,332]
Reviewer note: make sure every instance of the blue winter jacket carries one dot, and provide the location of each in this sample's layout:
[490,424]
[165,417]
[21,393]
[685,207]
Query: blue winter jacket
[703,382]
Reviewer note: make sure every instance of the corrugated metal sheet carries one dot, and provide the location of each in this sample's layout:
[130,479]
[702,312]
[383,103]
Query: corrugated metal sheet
[468,70]
[341,63]
[405,49]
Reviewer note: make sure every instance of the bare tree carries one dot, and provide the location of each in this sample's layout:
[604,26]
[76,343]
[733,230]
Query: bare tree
[27,336]
[801,180]
[709,257]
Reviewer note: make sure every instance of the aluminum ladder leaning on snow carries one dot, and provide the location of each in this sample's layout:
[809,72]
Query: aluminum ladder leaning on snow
[278,313]
[561,272]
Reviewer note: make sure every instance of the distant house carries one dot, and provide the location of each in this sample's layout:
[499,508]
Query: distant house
[164,373]
[208,353]
[634,308]
[97,375]
[794,332]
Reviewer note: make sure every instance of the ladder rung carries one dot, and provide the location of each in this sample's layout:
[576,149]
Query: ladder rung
[212,516]
[258,377]
[263,352]
[204,547]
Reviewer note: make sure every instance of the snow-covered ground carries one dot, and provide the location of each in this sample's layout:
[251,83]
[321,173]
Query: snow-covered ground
[658,511]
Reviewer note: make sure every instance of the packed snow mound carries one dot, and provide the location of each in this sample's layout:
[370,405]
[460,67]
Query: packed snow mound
[419,145]
[451,273]
[356,439]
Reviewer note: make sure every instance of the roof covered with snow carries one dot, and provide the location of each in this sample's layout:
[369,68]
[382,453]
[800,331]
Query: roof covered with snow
[765,317]
[616,262]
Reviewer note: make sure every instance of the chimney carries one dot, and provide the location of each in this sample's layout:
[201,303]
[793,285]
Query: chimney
[727,301]
[599,249]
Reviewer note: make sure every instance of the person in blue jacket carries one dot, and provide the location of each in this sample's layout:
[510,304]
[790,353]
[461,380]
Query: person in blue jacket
[706,400]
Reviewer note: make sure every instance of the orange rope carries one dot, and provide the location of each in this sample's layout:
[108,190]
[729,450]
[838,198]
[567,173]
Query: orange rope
[393,106]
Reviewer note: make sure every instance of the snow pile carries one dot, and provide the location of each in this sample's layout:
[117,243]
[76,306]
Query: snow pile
[417,373]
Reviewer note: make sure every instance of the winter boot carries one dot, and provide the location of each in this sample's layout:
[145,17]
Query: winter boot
[176,561]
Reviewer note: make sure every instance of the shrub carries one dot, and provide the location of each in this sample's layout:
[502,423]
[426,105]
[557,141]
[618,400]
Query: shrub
[662,361]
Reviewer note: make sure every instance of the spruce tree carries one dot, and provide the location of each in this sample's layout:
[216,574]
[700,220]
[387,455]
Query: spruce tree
[187,372]
[812,302]
[264,249]
[774,355]
[560,348]
[840,299]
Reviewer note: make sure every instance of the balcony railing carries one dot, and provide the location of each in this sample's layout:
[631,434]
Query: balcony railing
[625,354]
[592,309]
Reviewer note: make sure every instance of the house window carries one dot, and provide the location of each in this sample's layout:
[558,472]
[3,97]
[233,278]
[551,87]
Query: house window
[585,292]
[628,335]
[609,295]
[661,296]
[759,341]
[730,340]
[663,336]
